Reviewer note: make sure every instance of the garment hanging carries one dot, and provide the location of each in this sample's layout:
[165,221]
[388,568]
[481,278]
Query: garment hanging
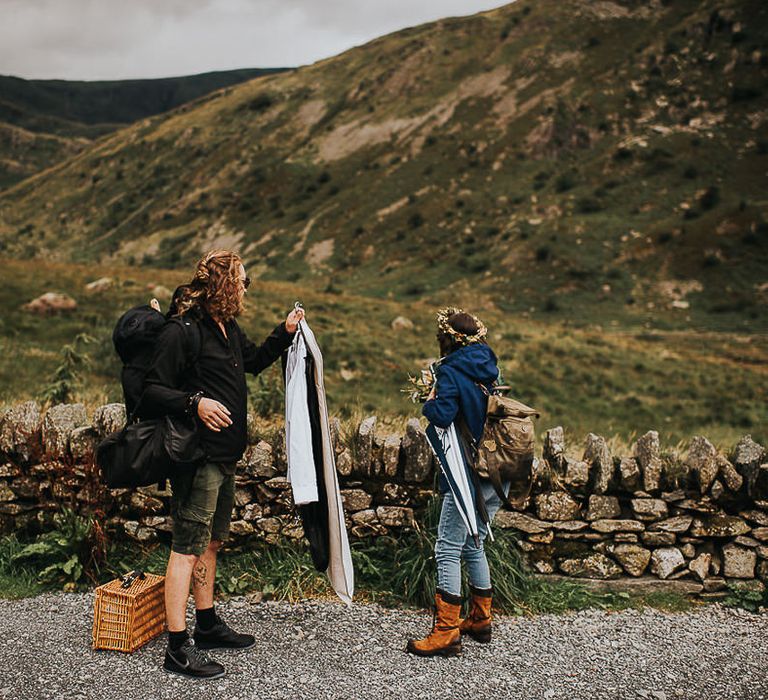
[302,473]
[314,516]
[323,518]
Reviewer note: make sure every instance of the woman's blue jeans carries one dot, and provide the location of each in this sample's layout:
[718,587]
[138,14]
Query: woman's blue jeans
[454,544]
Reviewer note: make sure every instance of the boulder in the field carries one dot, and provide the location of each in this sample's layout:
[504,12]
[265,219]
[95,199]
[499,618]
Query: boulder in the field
[50,304]
[401,323]
[103,284]
[143,504]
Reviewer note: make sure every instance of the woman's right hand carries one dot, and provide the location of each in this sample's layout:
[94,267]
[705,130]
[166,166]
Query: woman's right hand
[432,393]
[214,415]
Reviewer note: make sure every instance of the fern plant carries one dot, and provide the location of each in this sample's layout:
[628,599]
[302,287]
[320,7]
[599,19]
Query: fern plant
[65,378]
[69,555]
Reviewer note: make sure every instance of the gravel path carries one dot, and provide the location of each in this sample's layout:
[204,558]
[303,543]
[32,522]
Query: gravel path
[320,649]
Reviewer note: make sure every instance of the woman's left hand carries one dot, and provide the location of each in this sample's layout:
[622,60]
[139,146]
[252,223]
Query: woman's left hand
[432,393]
[292,321]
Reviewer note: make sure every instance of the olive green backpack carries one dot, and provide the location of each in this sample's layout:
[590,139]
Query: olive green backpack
[505,450]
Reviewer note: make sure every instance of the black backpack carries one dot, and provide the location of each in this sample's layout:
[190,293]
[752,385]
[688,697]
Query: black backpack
[135,338]
[146,452]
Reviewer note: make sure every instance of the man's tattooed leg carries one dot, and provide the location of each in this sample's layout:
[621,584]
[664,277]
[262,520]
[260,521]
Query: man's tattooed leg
[199,574]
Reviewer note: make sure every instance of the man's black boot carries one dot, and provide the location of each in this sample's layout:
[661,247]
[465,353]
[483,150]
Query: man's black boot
[191,661]
[222,636]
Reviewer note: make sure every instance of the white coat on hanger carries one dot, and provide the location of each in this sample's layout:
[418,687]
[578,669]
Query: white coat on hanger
[298,431]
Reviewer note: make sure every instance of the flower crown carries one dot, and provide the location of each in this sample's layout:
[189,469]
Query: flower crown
[461,338]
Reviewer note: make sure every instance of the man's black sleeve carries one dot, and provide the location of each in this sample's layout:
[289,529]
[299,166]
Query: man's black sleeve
[257,358]
[162,385]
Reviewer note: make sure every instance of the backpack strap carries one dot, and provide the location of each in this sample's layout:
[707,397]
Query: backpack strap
[494,388]
[193,340]
[493,474]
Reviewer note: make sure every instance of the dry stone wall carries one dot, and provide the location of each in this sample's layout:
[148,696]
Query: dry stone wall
[701,516]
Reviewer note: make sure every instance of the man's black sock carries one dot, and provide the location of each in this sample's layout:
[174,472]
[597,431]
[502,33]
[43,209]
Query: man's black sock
[176,639]
[206,618]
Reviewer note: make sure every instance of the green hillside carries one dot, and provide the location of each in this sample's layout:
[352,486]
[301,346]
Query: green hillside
[614,382]
[568,161]
[24,153]
[45,121]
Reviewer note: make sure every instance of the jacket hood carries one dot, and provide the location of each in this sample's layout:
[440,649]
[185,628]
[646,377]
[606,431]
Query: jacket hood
[477,361]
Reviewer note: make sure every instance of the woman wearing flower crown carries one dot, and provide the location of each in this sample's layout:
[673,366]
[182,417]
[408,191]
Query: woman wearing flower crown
[465,374]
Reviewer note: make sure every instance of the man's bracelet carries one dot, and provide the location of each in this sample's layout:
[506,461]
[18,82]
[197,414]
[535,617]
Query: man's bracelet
[193,401]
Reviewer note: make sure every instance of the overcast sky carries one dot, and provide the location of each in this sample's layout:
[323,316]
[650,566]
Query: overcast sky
[116,39]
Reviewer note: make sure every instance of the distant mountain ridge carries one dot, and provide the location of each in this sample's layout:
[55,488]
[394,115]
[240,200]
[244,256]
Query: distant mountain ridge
[42,121]
[599,162]
[106,103]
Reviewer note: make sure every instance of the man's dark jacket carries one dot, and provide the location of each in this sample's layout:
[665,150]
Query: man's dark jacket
[219,373]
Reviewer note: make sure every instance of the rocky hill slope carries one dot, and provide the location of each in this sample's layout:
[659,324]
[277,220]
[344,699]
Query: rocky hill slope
[590,160]
[45,121]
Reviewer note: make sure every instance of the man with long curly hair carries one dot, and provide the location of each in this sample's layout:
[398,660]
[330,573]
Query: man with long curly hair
[199,368]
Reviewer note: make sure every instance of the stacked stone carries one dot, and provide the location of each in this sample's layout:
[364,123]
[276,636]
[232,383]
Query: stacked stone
[48,463]
[704,518]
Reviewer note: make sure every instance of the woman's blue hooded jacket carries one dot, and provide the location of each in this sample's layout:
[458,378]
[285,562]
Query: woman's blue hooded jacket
[457,377]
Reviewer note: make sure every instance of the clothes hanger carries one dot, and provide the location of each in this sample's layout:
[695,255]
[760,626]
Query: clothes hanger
[296,306]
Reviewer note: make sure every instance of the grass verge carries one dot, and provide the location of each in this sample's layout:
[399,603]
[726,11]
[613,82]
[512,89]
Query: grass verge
[395,572]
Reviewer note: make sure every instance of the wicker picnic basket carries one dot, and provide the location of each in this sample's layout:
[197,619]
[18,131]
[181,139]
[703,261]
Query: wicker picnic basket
[126,617]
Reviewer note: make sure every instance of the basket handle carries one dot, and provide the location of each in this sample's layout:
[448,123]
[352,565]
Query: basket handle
[129,578]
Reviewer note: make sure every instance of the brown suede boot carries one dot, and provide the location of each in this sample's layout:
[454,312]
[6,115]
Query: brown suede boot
[478,623]
[444,639]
